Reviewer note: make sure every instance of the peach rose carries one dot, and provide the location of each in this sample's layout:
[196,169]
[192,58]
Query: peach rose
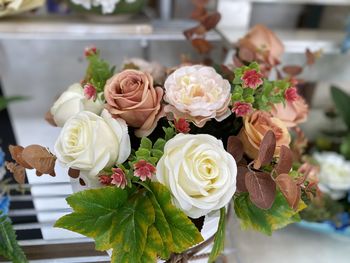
[254,129]
[292,113]
[130,95]
[264,44]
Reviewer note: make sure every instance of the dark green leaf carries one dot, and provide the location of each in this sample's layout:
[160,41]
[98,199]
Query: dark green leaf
[146,143]
[341,102]
[219,240]
[5,101]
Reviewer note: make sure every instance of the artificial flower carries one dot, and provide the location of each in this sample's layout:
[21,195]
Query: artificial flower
[90,91]
[89,51]
[254,128]
[291,94]
[144,170]
[252,79]
[71,102]
[12,7]
[199,173]
[118,178]
[90,143]
[334,174]
[181,125]
[105,179]
[130,95]
[107,6]
[242,109]
[197,93]
[292,112]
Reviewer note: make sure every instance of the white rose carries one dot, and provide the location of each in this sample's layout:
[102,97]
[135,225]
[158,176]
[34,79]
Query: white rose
[334,174]
[197,93]
[73,101]
[90,143]
[199,173]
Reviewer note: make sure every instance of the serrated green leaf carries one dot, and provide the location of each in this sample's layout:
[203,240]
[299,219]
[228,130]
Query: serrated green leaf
[219,240]
[154,245]
[146,143]
[341,102]
[157,153]
[169,133]
[143,153]
[98,72]
[265,221]
[184,233]
[159,144]
[9,247]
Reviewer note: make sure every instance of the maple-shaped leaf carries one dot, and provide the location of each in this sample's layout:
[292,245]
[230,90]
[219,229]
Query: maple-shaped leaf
[261,188]
[176,229]
[266,221]
[285,161]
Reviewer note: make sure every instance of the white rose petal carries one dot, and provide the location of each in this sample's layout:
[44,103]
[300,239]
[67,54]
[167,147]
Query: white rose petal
[199,173]
[91,143]
[71,102]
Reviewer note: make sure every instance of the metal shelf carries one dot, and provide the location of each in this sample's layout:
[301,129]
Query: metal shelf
[322,2]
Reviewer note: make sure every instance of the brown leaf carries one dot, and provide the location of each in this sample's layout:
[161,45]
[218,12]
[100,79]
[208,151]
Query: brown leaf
[16,154]
[201,45]
[199,13]
[240,184]
[237,62]
[261,188]
[285,162]
[246,54]
[18,172]
[200,3]
[197,30]
[74,173]
[266,150]
[289,189]
[49,118]
[210,21]
[292,70]
[235,148]
[310,57]
[40,158]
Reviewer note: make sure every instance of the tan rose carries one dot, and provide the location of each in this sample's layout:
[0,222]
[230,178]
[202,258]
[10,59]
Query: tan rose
[130,95]
[254,129]
[264,44]
[292,113]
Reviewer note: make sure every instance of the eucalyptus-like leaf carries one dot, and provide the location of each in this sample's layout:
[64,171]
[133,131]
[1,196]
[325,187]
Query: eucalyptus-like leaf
[285,161]
[266,150]
[235,148]
[289,189]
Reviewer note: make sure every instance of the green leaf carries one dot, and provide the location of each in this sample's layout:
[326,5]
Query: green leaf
[159,144]
[169,133]
[157,153]
[154,245]
[5,101]
[342,102]
[9,247]
[143,153]
[219,240]
[146,143]
[266,221]
[176,229]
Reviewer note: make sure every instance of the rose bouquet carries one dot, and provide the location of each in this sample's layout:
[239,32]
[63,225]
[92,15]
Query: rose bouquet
[157,158]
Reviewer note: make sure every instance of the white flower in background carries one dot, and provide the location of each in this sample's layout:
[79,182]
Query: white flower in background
[11,7]
[197,93]
[73,101]
[108,6]
[334,174]
[90,143]
[199,173]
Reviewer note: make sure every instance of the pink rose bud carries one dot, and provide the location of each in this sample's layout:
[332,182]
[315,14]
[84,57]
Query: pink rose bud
[252,79]
[118,178]
[89,51]
[144,170]
[242,109]
[181,125]
[105,179]
[291,94]
[90,91]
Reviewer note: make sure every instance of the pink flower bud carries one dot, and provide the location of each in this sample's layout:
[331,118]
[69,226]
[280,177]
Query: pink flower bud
[181,125]
[90,91]
[291,94]
[105,179]
[242,109]
[118,178]
[144,170]
[89,51]
[252,79]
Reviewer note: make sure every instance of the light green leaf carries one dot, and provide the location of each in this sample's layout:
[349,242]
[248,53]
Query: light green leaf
[159,144]
[266,221]
[146,143]
[184,233]
[5,101]
[154,245]
[157,153]
[9,247]
[143,153]
[342,102]
[219,240]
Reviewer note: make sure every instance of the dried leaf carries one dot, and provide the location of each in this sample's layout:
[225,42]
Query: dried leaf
[237,62]
[310,57]
[289,189]
[200,3]
[74,173]
[201,45]
[197,30]
[40,158]
[246,54]
[240,184]
[82,182]
[49,118]
[16,154]
[210,21]
[285,162]
[199,13]
[266,150]
[261,188]
[235,148]
[292,70]
[18,172]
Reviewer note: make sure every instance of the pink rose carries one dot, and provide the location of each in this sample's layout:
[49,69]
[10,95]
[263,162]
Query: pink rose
[292,113]
[130,95]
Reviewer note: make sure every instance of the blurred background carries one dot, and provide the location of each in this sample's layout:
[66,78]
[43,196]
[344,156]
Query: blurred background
[41,54]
